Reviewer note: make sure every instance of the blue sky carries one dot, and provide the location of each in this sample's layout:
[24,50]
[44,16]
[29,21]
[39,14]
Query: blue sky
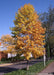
[8,8]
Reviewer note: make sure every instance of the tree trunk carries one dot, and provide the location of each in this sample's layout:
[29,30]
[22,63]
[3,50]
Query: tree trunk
[27,64]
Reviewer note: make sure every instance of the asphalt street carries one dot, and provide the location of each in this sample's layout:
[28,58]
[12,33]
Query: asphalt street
[19,65]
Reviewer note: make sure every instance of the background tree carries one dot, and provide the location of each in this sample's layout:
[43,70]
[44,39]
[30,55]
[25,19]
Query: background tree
[47,19]
[52,45]
[28,32]
[8,44]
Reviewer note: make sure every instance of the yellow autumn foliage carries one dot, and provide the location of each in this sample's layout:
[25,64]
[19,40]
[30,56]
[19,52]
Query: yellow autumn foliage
[31,33]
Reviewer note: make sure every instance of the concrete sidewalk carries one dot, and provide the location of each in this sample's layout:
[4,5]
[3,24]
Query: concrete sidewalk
[48,70]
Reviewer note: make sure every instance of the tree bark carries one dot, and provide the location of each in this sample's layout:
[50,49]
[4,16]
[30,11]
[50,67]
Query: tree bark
[27,64]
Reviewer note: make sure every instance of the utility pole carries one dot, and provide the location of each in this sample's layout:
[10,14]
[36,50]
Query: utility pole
[44,59]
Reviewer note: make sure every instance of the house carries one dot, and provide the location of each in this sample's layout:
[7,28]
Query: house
[2,55]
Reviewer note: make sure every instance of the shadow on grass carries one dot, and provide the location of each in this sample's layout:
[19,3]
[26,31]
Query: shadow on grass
[7,69]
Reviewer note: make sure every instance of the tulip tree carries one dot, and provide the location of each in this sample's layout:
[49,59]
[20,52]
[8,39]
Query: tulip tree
[29,32]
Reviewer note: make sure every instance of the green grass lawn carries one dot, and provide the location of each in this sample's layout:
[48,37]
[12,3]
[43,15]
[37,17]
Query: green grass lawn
[0,62]
[3,62]
[36,68]
[9,60]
